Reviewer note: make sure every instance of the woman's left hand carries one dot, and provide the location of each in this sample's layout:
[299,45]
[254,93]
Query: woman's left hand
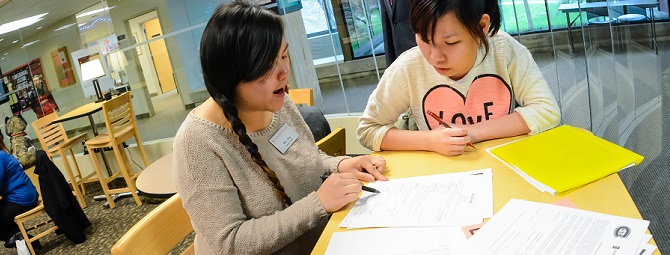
[365,168]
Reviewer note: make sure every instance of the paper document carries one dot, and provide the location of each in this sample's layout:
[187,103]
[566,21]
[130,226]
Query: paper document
[645,248]
[523,227]
[395,241]
[457,199]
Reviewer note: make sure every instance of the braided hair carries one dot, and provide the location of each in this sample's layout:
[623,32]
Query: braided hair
[244,40]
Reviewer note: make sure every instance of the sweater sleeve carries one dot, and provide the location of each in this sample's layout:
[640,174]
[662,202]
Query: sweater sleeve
[386,103]
[538,106]
[214,205]
[331,163]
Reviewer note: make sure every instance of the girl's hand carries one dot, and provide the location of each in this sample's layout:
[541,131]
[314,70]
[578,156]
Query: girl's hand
[449,141]
[365,168]
[338,190]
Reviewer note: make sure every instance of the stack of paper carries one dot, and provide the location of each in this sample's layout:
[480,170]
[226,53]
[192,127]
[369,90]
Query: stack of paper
[564,158]
[415,241]
[523,227]
[438,200]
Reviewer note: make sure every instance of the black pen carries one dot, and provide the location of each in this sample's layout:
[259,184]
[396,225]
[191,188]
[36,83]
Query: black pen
[368,189]
[364,188]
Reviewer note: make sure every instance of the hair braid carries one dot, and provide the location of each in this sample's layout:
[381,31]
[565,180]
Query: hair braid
[230,111]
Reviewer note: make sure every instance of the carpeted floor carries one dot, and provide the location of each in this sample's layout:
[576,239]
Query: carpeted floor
[107,226]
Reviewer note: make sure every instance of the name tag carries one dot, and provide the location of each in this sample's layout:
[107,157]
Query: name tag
[284,138]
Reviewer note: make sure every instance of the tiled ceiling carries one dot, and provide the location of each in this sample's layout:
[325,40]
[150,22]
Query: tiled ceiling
[11,10]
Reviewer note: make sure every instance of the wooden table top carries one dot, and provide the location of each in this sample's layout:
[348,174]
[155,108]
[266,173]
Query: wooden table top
[81,111]
[157,180]
[607,195]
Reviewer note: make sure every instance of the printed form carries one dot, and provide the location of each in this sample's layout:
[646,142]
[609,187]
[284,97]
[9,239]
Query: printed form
[523,227]
[396,241]
[456,199]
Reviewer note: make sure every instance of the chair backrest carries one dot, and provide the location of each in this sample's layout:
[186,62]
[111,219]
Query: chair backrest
[334,144]
[34,179]
[316,121]
[48,134]
[158,232]
[302,96]
[119,114]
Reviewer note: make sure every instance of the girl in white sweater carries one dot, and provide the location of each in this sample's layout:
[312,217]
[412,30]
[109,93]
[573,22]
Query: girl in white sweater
[245,162]
[480,80]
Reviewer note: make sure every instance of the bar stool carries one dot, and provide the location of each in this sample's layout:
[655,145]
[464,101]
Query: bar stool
[600,21]
[121,126]
[629,19]
[54,141]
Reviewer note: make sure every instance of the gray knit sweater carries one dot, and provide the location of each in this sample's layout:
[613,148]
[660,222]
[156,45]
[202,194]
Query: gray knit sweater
[231,201]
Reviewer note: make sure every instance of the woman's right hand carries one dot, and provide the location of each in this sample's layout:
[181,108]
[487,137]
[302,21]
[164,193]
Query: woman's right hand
[449,141]
[338,190]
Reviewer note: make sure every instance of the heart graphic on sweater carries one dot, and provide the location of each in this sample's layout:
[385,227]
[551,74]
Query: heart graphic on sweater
[489,97]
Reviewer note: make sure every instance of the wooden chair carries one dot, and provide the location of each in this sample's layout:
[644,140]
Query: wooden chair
[334,144]
[158,232]
[54,141]
[121,126]
[38,211]
[302,96]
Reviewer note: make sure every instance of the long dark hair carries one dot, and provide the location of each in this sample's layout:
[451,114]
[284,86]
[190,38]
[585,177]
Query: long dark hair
[2,144]
[240,44]
[424,15]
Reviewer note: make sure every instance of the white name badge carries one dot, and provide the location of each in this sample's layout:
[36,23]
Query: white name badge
[284,138]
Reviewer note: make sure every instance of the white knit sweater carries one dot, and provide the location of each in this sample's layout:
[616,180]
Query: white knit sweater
[489,90]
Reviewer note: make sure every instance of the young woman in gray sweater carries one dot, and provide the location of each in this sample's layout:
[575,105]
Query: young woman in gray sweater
[245,162]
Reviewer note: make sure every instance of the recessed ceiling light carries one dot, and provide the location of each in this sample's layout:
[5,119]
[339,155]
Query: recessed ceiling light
[30,43]
[94,12]
[15,41]
[2,58]
[39,28]
[2,39]
[6,53]
[18,24]
[64,27]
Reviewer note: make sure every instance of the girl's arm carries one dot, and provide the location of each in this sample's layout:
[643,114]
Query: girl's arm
[214,205]
[447,141]
[386,103]
[506,126]
[537,105]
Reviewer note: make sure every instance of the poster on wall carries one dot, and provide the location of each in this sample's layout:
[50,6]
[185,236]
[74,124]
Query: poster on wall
[30,90]
[63,67]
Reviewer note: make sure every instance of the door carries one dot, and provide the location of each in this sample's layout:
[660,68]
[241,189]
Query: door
[159,55]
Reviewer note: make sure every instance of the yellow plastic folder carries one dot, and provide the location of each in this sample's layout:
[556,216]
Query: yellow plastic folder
[564,158]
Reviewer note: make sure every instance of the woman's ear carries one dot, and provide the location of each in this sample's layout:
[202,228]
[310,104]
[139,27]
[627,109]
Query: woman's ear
[484,23]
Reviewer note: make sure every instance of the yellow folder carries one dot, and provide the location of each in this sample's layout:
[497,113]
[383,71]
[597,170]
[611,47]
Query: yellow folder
[564,158]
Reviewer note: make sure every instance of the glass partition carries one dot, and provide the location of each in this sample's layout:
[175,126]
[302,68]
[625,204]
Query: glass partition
[606,62]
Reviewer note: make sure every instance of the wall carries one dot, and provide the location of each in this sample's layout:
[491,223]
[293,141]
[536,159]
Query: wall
[195,14]
[130,9]
[146,64]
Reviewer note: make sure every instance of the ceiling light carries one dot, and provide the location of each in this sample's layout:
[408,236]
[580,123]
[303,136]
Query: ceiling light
[2,58]
[64,27]
[39,28]
[2,39]
[6,53]
[18,24]
[30,43]
[15,41]
[81,15]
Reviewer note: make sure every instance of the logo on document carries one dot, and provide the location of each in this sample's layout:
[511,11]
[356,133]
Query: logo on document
[622,232]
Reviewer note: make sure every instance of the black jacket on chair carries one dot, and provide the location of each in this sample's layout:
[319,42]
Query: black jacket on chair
[59,203]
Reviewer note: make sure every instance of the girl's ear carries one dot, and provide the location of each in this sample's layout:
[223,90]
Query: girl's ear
[484,23]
